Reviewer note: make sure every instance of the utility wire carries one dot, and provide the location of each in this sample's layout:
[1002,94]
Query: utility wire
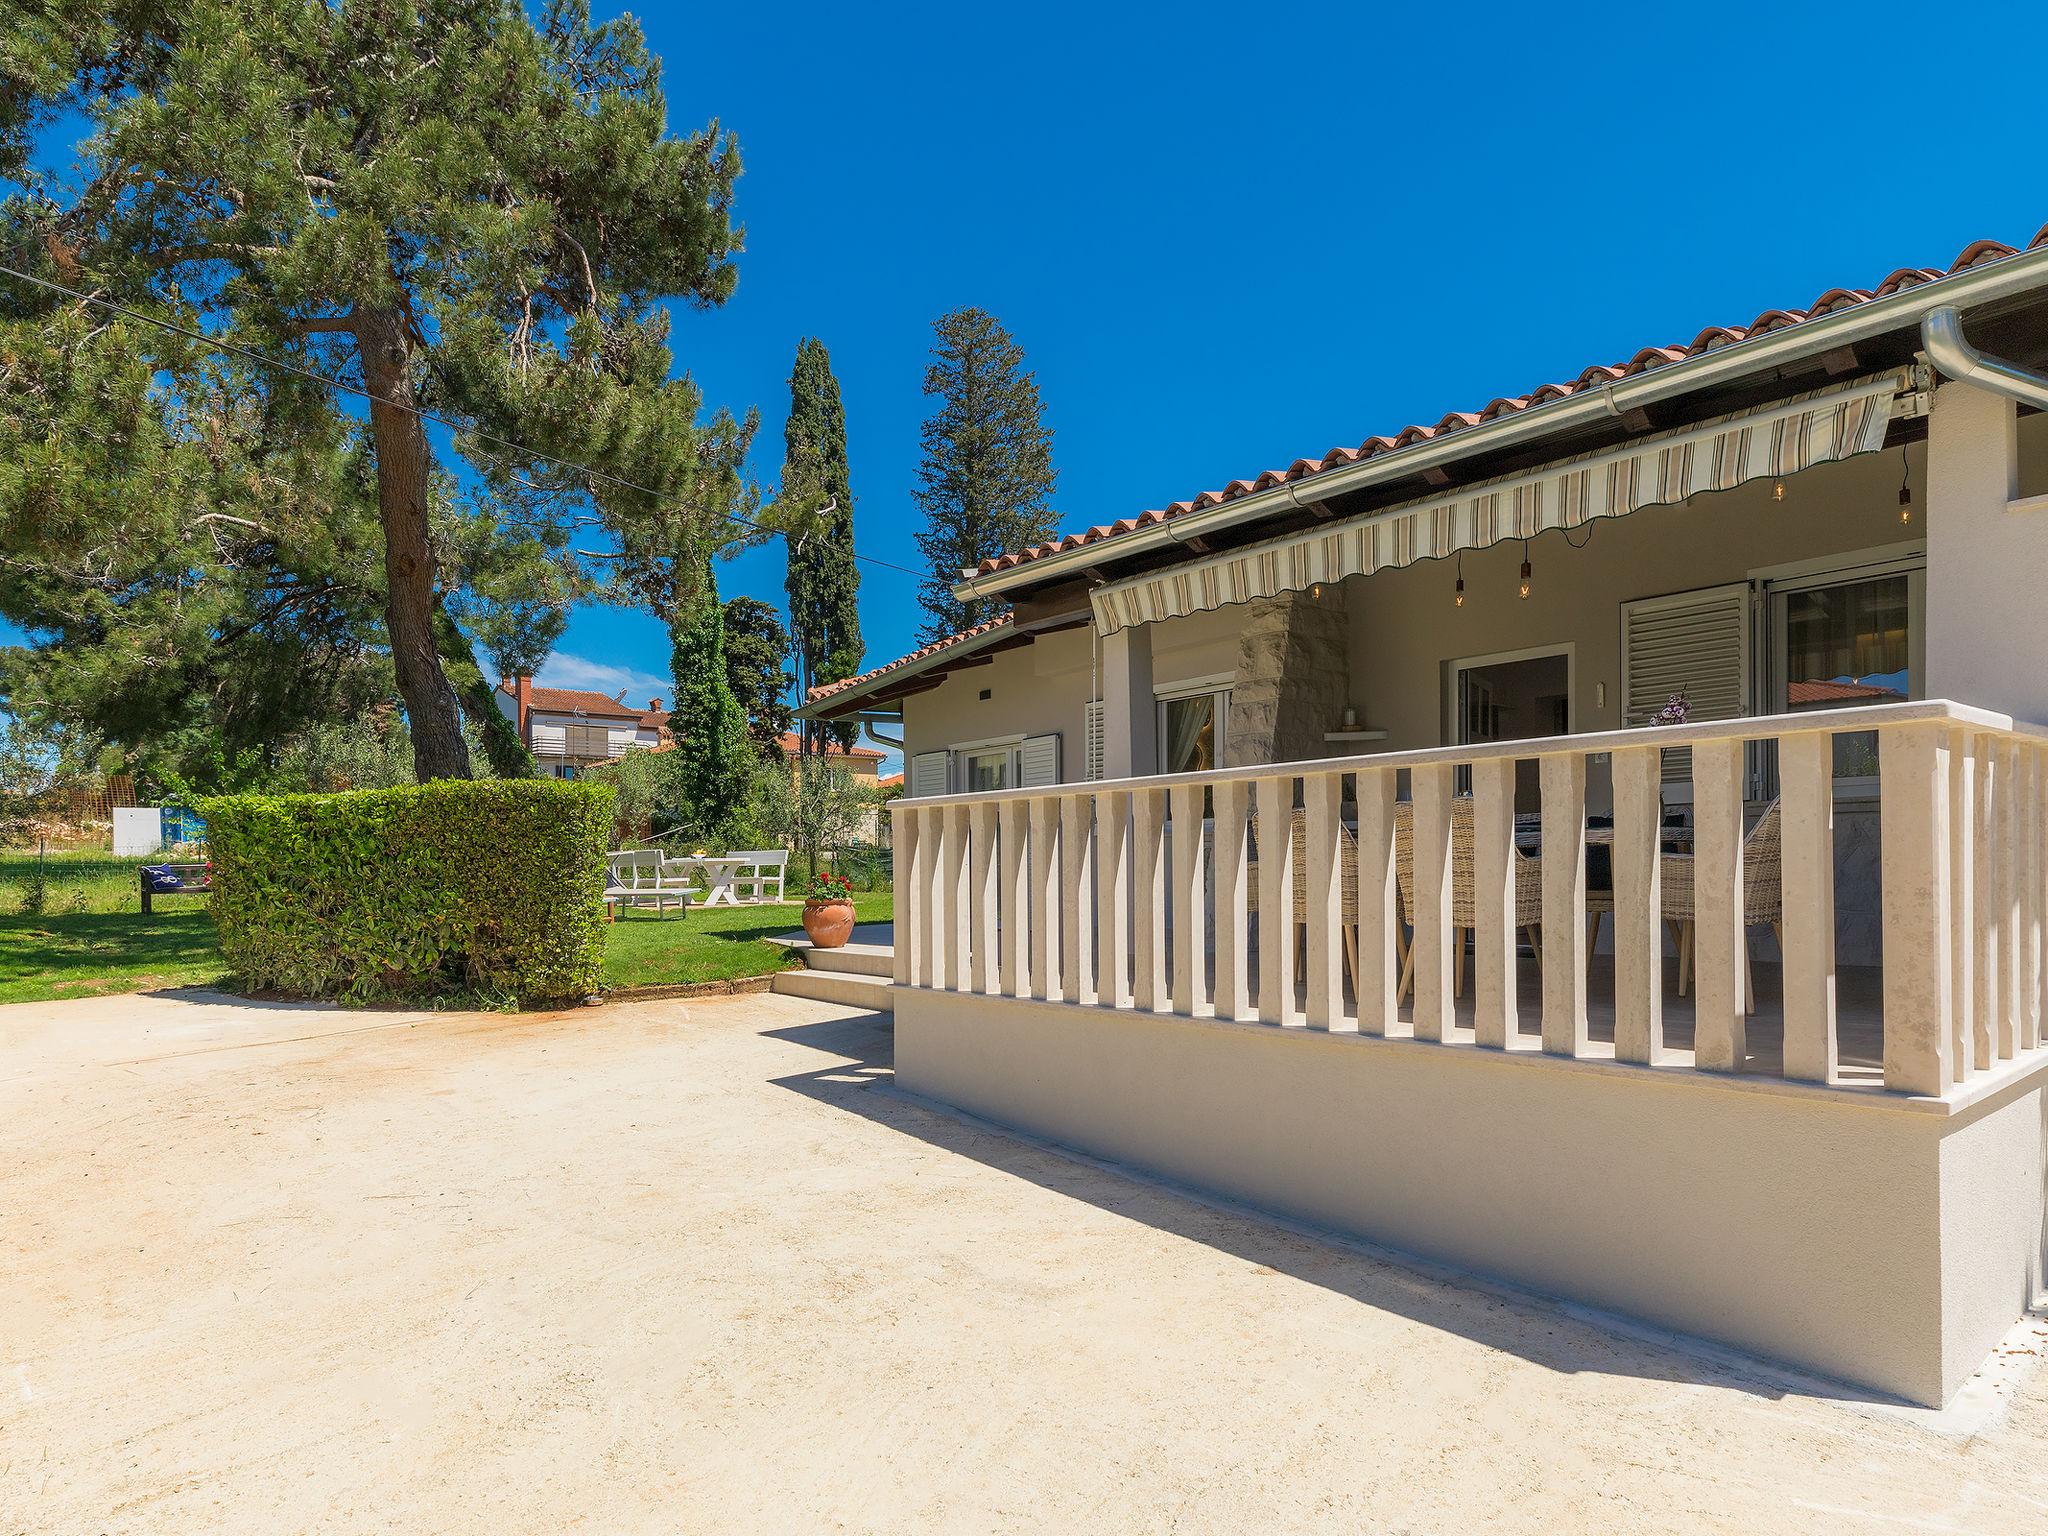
[342,387]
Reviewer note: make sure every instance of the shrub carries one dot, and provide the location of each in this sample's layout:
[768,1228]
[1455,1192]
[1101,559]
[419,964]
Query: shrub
[487,888]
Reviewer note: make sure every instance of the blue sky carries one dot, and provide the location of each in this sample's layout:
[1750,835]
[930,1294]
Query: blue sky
[1227,239]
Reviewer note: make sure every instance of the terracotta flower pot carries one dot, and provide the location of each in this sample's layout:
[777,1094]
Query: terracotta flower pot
[828,924]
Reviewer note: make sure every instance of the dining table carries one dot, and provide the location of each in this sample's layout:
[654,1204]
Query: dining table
[721,877]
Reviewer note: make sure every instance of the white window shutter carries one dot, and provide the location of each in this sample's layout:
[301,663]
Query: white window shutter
[1094,759]
[1695,643]
[1041,761]
[928,774]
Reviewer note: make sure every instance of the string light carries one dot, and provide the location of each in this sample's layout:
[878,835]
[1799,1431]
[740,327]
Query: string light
[1778,491]
[1458,592]
[1905,488]
[1525,568]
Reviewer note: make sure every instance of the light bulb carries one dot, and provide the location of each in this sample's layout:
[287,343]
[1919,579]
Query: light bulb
[1905,505]
[1778,491]
[1458,595]
[1525,578]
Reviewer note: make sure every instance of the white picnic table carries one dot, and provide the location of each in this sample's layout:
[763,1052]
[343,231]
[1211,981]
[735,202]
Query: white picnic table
[721,876]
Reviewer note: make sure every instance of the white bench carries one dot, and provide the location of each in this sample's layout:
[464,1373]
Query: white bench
[760,868]
[636,877]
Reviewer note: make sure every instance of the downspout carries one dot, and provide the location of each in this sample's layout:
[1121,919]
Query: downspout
[1941,334]
[868,722]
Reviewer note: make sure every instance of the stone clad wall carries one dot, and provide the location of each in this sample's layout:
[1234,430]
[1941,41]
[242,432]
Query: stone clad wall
[1293,672]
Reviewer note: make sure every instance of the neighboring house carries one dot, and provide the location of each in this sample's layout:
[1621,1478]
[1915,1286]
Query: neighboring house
[861,764]
[571,729]
[1791,1094]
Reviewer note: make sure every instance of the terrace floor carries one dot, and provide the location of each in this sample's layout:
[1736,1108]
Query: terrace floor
[695,1266]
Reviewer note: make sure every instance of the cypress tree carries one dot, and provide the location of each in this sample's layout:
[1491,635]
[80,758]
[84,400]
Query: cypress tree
[708,724]
[824,582]
[987,477]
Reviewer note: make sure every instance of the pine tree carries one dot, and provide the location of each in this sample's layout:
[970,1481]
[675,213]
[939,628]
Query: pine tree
[709,727]
[453,205]
[987,476]
[824,582]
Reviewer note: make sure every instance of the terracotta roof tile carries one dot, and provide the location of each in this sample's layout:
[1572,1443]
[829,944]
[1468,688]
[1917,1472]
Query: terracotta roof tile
[791,744]
[826,690]
[571,701]
[1650,357]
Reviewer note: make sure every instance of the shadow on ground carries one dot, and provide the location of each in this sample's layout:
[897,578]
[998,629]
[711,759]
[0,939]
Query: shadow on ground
[1550,1334]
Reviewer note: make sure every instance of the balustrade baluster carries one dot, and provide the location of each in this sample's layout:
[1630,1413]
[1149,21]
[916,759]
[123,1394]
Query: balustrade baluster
[1636,857]
[1379,903]
[1562,776]
[1806,814]
[1494,1005]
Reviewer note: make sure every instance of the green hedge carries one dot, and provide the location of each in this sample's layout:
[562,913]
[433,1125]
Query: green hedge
[491,889]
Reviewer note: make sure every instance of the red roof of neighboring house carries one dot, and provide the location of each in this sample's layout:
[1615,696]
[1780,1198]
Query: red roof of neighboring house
[1818,692]
[1593,378]
[792,744]
[889,781]
[572,701]
[826,690]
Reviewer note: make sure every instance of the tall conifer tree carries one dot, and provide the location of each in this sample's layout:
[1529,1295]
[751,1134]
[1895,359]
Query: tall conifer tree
[709,727]
[986,482]
[824,581]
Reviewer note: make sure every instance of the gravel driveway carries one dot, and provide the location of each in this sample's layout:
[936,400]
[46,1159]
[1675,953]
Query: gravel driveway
[685,1267]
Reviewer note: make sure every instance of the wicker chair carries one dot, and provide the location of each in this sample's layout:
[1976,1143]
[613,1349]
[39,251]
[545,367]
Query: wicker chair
[1763,896]
[1347,853]
[1464,910]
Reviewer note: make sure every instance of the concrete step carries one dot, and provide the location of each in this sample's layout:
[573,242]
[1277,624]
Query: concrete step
[846,988]
[852,959]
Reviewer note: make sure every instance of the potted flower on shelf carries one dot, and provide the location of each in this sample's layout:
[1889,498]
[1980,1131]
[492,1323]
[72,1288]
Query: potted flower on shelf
[828,910]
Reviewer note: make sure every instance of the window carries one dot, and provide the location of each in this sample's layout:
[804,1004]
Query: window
[990,769]
[1847,644]
[1842,640]
[1191,731]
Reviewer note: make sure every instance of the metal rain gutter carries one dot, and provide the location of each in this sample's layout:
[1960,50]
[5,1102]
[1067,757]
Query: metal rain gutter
[1980,284]
[1941,333]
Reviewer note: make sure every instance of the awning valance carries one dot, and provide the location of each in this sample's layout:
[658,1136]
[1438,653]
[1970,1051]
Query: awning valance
[1816,428]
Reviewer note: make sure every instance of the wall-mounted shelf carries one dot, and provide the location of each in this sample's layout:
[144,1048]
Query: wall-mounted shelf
[1360,735]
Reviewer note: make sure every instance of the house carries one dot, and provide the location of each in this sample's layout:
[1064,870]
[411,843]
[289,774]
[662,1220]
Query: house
[862,765]
[571,729]
[1311,839]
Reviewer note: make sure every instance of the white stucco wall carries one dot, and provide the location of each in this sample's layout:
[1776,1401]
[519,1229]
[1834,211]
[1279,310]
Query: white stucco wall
[1877,1243]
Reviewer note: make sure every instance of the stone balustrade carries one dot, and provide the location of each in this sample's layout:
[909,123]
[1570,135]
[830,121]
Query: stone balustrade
[1162,895]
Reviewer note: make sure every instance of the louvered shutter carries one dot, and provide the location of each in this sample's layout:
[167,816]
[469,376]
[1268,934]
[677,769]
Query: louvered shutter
[928,774]
[1695,643]
[1094,759]
[1041,761]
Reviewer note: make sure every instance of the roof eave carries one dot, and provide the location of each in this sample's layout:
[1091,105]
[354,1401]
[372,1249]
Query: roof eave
[1986,283]
[846,699]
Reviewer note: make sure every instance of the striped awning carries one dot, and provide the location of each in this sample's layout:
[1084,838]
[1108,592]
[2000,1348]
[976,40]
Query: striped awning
[1816,428]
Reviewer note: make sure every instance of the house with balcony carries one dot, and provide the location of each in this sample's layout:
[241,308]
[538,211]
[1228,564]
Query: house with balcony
[1598,839]
[570,730]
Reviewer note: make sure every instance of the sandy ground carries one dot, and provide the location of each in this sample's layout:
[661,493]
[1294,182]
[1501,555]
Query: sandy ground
[694,1266]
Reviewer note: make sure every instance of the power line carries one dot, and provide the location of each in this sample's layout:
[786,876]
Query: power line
[216,344]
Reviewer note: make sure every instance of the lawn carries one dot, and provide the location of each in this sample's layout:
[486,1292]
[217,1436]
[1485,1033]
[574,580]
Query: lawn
[84,954]
[711,943]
